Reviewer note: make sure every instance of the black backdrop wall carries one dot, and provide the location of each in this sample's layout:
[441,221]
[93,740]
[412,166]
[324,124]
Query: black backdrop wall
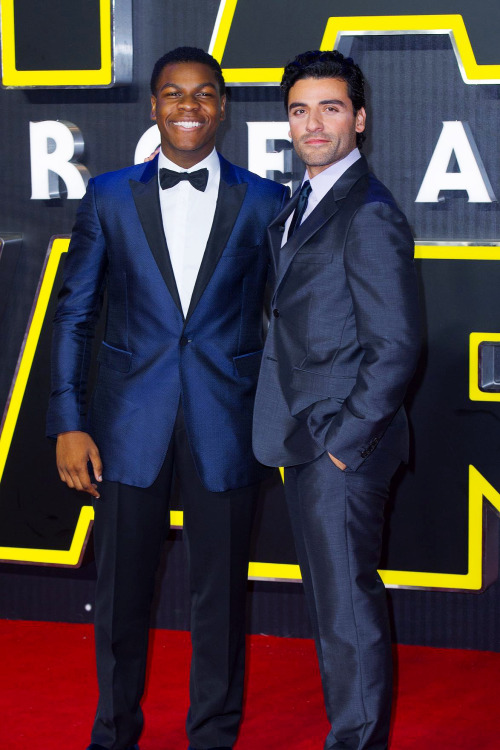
[433,138]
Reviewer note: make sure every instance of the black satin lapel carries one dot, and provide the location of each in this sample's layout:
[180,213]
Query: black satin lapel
[147,203]
[229,202]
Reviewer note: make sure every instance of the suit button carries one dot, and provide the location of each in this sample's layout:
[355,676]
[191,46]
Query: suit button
[184,341]
[276,313]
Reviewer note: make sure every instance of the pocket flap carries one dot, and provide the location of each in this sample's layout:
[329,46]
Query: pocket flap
[322,385]
[115,359]
[230,252]
[248,365]
[306,256]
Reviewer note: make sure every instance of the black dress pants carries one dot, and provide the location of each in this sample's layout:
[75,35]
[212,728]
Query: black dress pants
[129,530]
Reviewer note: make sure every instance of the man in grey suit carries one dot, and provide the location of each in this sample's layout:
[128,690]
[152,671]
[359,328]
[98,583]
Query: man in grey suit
[342,346]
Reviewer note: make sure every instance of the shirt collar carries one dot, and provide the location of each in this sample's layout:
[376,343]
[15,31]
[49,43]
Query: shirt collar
[326,179]
[211,162]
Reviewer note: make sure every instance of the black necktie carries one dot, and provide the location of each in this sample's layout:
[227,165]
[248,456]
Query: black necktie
[301,206]
[198,179]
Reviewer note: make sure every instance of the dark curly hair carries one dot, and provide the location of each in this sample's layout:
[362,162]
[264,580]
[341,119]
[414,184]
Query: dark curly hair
[326,64]
[187,54]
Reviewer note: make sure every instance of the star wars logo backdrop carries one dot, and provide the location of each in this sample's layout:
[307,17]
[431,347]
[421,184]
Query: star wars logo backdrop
[75,103]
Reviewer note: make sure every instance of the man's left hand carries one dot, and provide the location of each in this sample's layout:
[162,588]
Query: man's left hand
[152,156]
[338,463]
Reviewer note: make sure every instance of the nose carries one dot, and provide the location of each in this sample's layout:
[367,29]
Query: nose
[314,123]
[189,103]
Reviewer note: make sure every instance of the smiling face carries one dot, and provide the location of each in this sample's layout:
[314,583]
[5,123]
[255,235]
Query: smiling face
[188,109]
[323,125]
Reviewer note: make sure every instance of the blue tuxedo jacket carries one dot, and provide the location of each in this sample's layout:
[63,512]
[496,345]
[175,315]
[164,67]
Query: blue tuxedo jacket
[344,337]
[152,357]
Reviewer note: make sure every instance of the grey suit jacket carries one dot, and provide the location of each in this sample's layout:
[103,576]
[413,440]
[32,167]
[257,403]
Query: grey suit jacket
[344,334]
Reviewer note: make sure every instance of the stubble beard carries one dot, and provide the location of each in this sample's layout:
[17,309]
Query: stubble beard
[314,157]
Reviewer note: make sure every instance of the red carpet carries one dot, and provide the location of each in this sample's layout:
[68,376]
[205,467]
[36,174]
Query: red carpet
[446,699]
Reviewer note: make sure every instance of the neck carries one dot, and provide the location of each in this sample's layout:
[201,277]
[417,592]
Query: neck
[186,160]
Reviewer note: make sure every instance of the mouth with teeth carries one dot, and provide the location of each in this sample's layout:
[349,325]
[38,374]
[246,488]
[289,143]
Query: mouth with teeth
[187,124]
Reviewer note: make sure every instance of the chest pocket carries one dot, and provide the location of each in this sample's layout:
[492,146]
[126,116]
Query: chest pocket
[313,256]
[116,359]
[238,250]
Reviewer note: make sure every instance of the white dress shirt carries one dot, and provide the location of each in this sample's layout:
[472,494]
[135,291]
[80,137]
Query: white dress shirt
[188,216]
[321,184]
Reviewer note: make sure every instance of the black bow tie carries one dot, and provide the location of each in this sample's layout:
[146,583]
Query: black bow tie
[198,179]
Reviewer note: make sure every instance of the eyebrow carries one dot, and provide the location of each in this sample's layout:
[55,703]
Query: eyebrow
[201,86]
[338,102]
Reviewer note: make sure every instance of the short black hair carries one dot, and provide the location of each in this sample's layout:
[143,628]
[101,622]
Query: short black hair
[187,54]
[327,64]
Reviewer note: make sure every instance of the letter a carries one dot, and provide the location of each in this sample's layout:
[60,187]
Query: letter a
[456,138]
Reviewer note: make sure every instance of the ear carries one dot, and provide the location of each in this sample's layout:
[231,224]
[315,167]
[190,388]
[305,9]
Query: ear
[153,107]
[360,120]
[223,108]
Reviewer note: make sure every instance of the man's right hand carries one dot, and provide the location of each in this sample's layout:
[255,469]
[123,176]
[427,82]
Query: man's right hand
[73,452]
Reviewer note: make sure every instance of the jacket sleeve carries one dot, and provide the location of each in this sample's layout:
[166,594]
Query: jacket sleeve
[80,302]
[380,274]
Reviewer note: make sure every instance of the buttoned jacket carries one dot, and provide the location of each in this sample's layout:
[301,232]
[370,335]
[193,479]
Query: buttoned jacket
[152,356]
[344,334]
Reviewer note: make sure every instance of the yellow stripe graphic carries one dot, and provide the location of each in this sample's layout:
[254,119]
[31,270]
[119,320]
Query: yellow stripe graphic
[452,24]
[11,76]
[336,27]
[479,487]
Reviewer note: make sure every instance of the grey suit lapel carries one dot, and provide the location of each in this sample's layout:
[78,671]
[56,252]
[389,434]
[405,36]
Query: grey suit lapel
[277,227]
[322,213]
[147,203]
[229,201]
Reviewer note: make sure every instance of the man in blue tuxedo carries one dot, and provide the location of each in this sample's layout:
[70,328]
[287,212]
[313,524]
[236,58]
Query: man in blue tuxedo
[179,244]
[341,348]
